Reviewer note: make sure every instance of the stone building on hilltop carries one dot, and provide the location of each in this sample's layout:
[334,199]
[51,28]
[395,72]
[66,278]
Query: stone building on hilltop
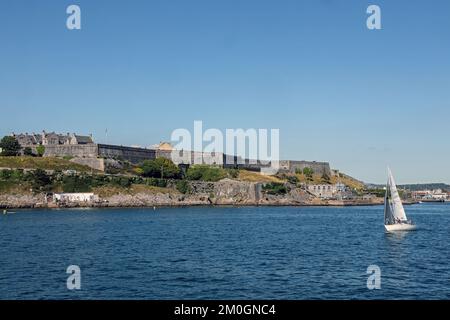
[83,150]
[51,138]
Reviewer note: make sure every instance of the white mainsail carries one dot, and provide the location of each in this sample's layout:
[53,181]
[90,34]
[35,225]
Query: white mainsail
[393,207]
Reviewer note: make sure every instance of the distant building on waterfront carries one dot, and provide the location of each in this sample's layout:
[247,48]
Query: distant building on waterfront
[430,195]
[329,191]
[75,197]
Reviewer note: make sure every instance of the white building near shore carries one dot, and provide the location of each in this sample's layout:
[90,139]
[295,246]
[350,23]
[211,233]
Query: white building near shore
[75,197]
[328,191]
[436,195]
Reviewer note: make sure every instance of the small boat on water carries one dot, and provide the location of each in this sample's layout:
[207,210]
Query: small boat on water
[394,213]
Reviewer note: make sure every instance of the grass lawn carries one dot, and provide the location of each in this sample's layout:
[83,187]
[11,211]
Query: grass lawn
[317,179]
[45,163]
[252,176]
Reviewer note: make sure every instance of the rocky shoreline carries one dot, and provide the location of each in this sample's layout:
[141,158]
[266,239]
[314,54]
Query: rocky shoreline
[223,193]
[181,205]
[226,192]
[164,200]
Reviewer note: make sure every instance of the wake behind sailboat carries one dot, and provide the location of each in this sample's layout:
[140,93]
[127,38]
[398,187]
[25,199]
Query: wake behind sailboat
[394,213]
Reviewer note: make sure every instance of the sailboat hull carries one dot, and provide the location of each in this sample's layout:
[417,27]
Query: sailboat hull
[400,227]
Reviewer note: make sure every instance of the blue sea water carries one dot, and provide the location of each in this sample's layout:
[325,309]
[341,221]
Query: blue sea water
[224,253]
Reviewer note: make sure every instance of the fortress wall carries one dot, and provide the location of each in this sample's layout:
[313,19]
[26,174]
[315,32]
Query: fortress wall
[134,155]
[137,155]
[94,163]
[80,151]
[191,157]
[93,151]
[317,167]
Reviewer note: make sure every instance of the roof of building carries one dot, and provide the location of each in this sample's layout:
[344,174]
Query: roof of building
[165,146]
[53,137]
[84,139]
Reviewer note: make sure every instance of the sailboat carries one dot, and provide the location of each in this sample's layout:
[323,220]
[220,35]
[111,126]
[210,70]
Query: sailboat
[394,213]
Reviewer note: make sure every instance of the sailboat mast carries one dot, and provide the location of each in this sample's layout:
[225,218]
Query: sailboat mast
[386,201]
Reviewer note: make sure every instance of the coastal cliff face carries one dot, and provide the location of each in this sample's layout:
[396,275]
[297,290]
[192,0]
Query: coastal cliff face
[294,197]
[21,201]
[232,192]
[224,192]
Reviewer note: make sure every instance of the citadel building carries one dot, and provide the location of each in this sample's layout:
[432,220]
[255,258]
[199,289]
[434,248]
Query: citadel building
[83,150]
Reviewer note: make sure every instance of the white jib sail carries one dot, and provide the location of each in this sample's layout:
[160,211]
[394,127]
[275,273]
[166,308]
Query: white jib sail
[394,210]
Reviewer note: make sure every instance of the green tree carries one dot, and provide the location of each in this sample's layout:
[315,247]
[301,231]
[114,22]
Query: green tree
[40,149]
[40,181]
[160,168]
[74,183]
[17,174]
[205,173]
[308,172]
[123,182]
[5,174]
[183,186]
[10,146]
[275,188]
[27,151]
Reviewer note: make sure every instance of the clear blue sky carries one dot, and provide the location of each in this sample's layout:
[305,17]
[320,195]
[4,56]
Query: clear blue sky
[338,92]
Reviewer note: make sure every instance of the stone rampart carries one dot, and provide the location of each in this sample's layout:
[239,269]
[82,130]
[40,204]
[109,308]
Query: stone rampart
[131,154]
[80,151]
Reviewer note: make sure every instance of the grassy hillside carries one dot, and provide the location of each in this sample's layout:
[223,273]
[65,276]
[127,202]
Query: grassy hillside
[348,181]
[317,179]
[105,185]
[47,163]
[11,187]
[251,176]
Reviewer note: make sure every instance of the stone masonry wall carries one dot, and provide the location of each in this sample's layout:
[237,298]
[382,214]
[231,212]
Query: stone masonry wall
[94,163]
[134,155]
[80,151]
[292,165]
[89,154]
